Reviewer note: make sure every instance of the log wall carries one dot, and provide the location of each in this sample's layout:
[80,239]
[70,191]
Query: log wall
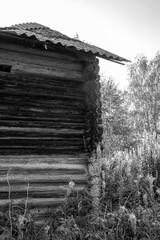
[42,127]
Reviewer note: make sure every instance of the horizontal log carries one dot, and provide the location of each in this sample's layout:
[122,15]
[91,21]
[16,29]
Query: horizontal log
[48,116]
[41,136]
[36,52]
[39,149]
[51,138]
[48,61]
[38,192]
[40,188]
[40,81]
[36,195]
[42,148]
[34,111]
[52,194]
[31,116]
[32,144]
[58,117]
[23,93]
[41,103]
[54,178]
[38,106]
[20,67]
[28,151]
[38,159]
[42,124]
[43,172]
[43,130]
[40,141]
[41,166]
[51,90]
[14,92]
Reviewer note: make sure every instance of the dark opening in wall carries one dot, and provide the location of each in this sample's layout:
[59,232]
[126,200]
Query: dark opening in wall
[5,68]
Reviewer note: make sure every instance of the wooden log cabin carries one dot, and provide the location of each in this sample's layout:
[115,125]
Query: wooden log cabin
[50,115]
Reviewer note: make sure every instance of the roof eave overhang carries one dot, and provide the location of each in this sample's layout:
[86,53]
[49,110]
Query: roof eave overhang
[27,35]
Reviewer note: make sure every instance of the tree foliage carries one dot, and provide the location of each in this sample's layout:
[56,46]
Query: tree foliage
[115,117]
[129,115]
[144,94]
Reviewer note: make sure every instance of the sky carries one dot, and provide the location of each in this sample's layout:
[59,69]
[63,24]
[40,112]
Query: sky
[124,27]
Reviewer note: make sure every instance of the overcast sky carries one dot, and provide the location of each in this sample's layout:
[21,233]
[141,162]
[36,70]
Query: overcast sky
[124,27]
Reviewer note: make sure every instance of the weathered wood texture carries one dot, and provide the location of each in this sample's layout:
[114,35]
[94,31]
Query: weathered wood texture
[42,127]
[93,130]
[34,61]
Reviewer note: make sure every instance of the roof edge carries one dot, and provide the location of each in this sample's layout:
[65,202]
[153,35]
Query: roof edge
[46,35]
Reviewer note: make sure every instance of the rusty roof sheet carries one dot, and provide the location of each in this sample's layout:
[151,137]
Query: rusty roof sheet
[47,35]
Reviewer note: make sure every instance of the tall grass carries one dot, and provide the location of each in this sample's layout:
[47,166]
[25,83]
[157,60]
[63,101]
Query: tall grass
[133,190]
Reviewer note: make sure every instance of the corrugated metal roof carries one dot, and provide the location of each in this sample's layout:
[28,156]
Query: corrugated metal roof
[47,35]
